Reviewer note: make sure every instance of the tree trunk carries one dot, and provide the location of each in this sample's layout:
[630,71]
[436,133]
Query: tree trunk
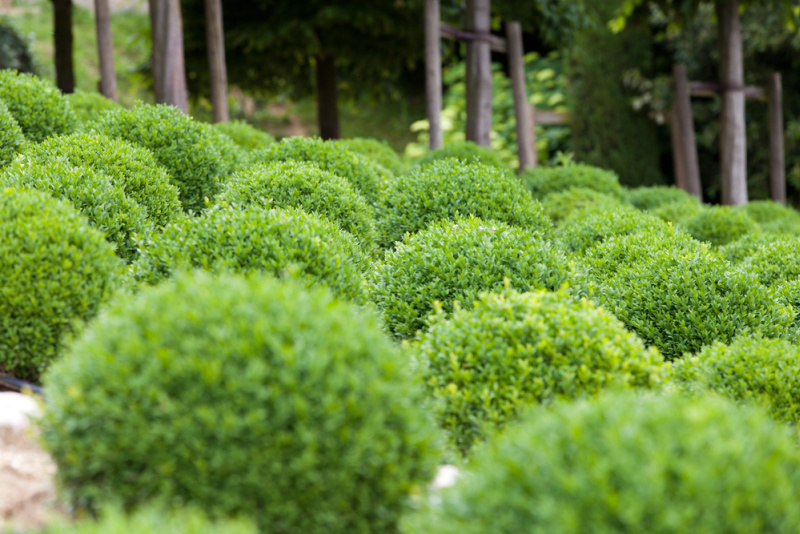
[62,37]
[733,144]
[105,49]
[526,147]
[327,99]
[433,73]
[216,60]
[479,74]
[169,72]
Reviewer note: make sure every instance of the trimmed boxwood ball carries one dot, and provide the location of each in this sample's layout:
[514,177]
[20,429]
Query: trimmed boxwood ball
[55,272]
[560,205]
[510,349]
[232,156]
[650,198]
[88,106]
[627,463]
[456,261]
[245,135]
[242,396]
[37,105]
[178,143]
[678,212]
[451,188]
[774,217]
[129,166]
[775,263]
[287,242]
[587,228]
[122,220]
[331,157]
[739,250]
[465,151]
[789,294]
[680,300]
[286,184]
[719,225]
[753,369]
[545,180]
[378,151]
[12,140]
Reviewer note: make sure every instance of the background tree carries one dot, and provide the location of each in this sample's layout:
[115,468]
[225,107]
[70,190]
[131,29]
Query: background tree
[327,47]
[169,73]
[218,72]
[105,49]
[62,41]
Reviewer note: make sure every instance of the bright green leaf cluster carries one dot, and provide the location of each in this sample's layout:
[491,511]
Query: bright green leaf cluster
[244,135]
[545,180]
[650,198]
[776,262]
[457,260]
[720,225]
[678,212]
[465,151]
[378,151]
[55,271]
[251,397]
[37,105]
[773,217]
[88,106]
[560,205]
[510,349]
[588,227]
[12,140]
[739,250]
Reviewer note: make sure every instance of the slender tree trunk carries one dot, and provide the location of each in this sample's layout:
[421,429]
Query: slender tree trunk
[62,37]
[433,73]
[733,144]
[216,60]
[169,72]
[479,74]
[327,98]
[105,49]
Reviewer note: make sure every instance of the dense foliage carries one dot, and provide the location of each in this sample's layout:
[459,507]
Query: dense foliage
[774,217]
[242,396]
[678,212]
[37,105]
[545,180]
[378,151]
[775,262]
[485,362]
[650,198]
[244,135]
[12,140]
[88,106]
[560,205]
[466,151]
[720,225]
[581,231]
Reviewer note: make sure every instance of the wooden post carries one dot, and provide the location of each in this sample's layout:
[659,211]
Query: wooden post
[777,163]
[217,70]
[105,50]
[532,111]
[678,158]
[433,73]
[525,149]
[733,142]
[685,134]
[62,43]
[169,72]
[479,74]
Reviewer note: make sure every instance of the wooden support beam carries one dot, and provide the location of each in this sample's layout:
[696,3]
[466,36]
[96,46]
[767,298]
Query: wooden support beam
[711,89]
[497,44]
[526,150]
[433,74]
[777,163]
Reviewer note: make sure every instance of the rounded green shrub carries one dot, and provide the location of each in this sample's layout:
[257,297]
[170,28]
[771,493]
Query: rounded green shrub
[776,262]
[450,188]
[12,140]
[650,198]
[545,180]
[627,463]
[789,294]
[561,204]
[510,349]
[55,271]
[680,300]
[774,217]
[88,106]
[465,151]
[678,212]
[719,225]
[182,146]
[251,397]
[37,105]
[378,151]
[244,135]
[232,156]
[331,157]
[286,184]
[129,166]
[281,242]
[739,250]
[752,369]
[122,220]
[585,229]
[456,261]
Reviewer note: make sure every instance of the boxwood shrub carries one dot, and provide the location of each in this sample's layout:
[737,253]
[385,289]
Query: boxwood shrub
[241,396]
[55,271]
[378,151]
[678,212]
[232,156]
[122,220]
[181,145]
[545,180]
[129,166]
[776,262]
[789,294]
[466,151]
[451,188]
[628,463]
[331,157]
[303,185]
[650,198]
[719,225]
[287,242]
[88,106]
[752,369]
[245,135]
[681,300]
[37,105]
[12,140]
[585,229]
[457,260]
[485,362]
[739,250]
[560,205]
[774,217]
